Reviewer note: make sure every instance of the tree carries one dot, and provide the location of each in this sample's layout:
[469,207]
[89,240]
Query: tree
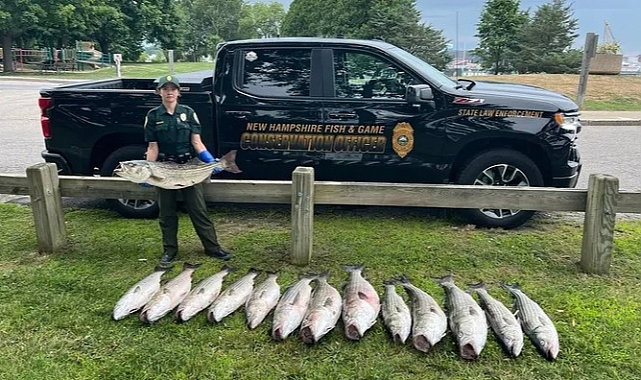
[16,18]
[546,41]
[501,21]
[210,22]
[395,21]
[261,20]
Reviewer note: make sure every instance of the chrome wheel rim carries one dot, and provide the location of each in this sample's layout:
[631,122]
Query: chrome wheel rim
[501,175]
[137,204]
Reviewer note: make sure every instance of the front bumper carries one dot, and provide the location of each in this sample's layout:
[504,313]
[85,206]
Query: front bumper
[570,175]
[61,163]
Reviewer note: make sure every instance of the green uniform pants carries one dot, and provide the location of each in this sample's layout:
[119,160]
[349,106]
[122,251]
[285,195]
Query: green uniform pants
[194,201]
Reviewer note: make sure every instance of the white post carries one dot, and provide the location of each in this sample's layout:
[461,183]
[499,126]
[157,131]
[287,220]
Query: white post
[118,60]
[170,60]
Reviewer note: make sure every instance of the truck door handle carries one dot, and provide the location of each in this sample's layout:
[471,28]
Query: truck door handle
[240,114]
[343,115]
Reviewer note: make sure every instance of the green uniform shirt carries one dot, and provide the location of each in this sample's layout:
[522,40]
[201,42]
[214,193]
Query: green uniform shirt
[172,132]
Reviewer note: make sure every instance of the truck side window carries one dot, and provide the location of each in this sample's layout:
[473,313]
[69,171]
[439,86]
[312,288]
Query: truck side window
[276,72]
[362,75]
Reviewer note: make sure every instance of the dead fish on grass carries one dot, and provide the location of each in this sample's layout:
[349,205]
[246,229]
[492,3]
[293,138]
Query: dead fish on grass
[535,323]
[502,321]
[429,321]
[169,296]
[233,297]
[138,295]
[396,314]
[262,300]
[291,308]
[466,319]
[171,175]
[323,312]
[361,304]
[202,295]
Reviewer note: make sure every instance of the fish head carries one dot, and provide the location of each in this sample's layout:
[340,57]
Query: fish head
[549,348]
[137,171]
[122,311]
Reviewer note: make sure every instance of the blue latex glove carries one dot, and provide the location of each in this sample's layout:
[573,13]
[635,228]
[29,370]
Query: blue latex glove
[217,169]
[145,185]
[206,157]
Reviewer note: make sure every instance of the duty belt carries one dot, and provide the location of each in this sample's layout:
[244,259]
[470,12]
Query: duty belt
[177,158]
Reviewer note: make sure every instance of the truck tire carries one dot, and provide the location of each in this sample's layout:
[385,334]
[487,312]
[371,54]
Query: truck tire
[500,167]
[130,208]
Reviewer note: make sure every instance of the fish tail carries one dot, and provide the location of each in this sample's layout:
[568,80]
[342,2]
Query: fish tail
[403,279]
[391,281]
[478,285]
[253,270]
[229,160]
[447,279]
[160,268]
[510,287]
[187,265]
[227,268]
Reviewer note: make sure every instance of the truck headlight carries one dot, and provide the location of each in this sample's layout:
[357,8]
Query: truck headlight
[569,124]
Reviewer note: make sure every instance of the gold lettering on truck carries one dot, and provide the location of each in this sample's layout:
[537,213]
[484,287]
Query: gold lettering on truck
[403,139]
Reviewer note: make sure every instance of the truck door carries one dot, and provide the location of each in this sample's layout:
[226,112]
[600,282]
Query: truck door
[378,136]
[271,110]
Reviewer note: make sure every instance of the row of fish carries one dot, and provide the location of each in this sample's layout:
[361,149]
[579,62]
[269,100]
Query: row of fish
[316,311]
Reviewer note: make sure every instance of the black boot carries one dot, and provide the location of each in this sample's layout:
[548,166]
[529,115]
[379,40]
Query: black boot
[167,259]
[220,254]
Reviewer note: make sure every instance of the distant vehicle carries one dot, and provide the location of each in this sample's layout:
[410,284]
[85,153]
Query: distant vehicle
[355,110]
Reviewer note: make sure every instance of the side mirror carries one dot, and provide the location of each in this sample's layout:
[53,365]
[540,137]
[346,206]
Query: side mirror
[419,93]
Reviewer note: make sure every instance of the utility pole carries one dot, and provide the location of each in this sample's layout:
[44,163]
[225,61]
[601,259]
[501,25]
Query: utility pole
[589,51]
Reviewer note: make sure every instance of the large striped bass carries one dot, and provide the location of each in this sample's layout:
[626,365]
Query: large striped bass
[169,296]
[361,304]
[232,297]
[202,295]
[139,294]
[502,321]
[429,322]
[466,318]
[262,300]
[396,314]
[291,308]
[323,312]
[171,175]
[535,323]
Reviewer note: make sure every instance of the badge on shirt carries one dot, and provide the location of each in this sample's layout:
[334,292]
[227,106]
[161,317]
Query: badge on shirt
[183,116]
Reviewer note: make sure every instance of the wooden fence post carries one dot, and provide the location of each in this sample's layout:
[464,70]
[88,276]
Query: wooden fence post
[46,204]
[302,215]
[598,226]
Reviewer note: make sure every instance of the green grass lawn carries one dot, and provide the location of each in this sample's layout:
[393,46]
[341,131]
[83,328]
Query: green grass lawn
[55,311]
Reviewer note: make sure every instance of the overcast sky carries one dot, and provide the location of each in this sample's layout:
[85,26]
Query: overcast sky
[624,17]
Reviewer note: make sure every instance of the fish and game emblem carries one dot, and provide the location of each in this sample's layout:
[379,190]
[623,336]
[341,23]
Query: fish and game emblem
[403,139]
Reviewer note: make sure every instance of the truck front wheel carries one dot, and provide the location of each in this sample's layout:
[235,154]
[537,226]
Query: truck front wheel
[501,167]
[130,208]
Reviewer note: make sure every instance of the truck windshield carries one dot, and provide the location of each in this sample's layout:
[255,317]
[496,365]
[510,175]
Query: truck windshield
[424,68]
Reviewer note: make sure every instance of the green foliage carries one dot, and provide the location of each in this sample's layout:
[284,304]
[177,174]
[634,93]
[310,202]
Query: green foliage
[501,21]
[546,40]
[260,20]
[56,308]
[395,21]
[611,47]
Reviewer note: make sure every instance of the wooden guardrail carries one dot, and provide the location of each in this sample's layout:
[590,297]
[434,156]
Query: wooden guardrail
[600,202]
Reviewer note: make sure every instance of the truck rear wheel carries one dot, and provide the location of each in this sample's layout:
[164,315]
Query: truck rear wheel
[500,167]
[130,208]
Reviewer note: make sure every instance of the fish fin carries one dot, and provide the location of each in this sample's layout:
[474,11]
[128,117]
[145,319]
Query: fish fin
[161,268]
[137,289]
[354,268]
[448,278]
[296,298]
[187,265]
[478,285]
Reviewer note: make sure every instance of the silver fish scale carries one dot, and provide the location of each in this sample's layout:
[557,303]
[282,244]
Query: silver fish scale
[429,320]
[262,300]
[291,308]
[536,323]
[138,295]
[201,296]
[232,297]
[502,321]
[323,312]
[396,314]
[467,321]
[361,305]
[170,175]
[168,297]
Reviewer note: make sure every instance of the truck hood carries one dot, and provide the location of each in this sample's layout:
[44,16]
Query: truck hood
[528,94]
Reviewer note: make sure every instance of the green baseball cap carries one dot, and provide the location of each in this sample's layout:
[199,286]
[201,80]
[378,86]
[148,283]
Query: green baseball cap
[163,80]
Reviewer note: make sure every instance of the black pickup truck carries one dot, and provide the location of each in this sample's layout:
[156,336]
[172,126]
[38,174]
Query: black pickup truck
[355,110]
